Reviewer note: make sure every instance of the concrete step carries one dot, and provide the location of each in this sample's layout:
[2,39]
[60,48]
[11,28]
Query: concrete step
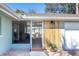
[37,49]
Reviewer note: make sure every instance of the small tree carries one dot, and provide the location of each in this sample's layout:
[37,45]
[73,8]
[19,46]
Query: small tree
[18,11]
[21,12]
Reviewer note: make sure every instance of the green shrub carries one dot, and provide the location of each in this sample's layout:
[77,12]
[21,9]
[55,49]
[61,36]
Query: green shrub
[53,45]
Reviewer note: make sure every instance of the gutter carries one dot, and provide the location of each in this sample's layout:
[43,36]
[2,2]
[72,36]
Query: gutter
[53,17]
[5,9]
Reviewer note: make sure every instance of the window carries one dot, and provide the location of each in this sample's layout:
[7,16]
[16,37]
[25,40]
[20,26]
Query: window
[21,32]
[0,25]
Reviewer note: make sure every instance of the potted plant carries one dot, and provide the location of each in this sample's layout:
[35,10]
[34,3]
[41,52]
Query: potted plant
[53,47]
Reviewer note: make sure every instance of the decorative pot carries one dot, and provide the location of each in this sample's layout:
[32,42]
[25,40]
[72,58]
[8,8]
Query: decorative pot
[53,50]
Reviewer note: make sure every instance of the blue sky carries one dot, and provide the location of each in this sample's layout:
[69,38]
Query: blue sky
[38,7]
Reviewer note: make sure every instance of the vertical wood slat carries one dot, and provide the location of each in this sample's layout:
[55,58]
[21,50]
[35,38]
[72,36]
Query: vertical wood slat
[57,34]
[46,35]
[51,35]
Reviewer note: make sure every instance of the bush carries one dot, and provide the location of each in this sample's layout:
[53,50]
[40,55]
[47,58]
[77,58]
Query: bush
[53,45]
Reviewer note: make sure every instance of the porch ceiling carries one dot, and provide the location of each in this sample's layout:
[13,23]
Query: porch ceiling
[63,17]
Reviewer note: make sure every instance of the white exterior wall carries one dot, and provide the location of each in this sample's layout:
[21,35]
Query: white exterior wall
[62,33]
[70,35]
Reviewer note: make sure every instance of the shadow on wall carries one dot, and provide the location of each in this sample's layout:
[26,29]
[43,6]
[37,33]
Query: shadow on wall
[73,43]
[73,50]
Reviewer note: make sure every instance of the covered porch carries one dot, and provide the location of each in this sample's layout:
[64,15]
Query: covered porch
[52,28]
[37,34]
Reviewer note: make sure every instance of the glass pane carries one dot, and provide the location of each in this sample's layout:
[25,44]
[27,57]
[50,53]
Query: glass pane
[36,34]
[21,32]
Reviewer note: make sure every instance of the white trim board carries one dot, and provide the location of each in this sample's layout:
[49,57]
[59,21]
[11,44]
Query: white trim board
[5,9]
[51,18]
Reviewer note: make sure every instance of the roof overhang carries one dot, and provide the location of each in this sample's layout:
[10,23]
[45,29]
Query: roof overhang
[8,12]
[62,17]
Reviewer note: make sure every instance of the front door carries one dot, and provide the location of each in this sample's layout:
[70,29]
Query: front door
[36,34]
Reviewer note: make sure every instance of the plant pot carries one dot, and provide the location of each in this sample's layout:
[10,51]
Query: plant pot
[53,50]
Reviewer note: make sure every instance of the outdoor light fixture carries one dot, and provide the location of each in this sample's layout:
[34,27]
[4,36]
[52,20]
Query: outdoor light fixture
[52,22]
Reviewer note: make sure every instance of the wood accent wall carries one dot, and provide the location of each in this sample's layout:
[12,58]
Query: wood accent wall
[51,34]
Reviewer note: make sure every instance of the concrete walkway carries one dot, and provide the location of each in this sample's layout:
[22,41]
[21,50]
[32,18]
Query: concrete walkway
[23,52]
[17,52]
[27,52]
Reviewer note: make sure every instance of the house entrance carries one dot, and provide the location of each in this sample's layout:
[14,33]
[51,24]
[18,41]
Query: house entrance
[36,34]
